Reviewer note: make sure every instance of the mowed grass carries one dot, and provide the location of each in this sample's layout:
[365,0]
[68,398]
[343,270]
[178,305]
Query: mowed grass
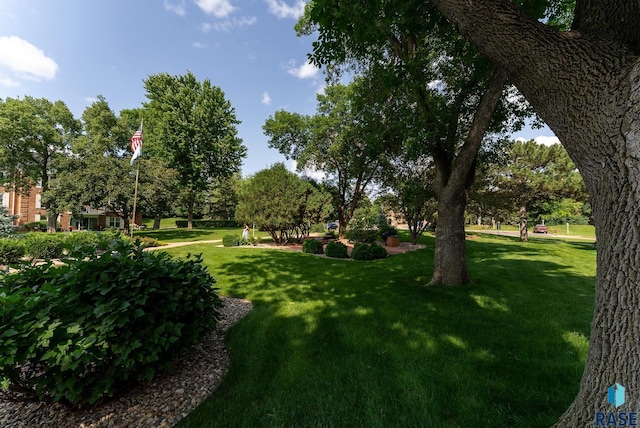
[577,230]
[354,344]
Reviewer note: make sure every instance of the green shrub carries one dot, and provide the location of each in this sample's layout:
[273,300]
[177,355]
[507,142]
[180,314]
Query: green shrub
[147,241]
[43,245]
[36,226]
[362,235]
[312,246]
[231,240]
[11,250]
[386,230]
[85,330]
[336,249]
[208,223]
[81,239]
[362,251]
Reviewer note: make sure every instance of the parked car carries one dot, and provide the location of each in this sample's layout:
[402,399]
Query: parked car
[332,226]
[540,228]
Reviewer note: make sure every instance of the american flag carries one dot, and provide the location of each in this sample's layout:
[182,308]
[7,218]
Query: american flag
[136,144]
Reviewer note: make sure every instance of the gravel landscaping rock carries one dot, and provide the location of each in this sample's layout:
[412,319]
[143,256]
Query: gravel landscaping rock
[160,403]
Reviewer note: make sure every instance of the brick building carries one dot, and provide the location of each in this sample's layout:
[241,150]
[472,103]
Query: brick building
[29,209]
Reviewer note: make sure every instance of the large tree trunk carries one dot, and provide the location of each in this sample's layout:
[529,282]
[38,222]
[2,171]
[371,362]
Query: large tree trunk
[190,204]
[584,84]
[524,233]
[450,255]
[156,222]
[453,179]
[52,220]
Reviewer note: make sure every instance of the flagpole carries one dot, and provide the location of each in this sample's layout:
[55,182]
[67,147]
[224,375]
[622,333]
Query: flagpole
[135,191]
[135,199]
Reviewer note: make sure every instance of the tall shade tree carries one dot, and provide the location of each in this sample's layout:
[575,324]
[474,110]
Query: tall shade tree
[34,134]
[459,95]
[193,127]
[584,84]
[104,133]
[335,141]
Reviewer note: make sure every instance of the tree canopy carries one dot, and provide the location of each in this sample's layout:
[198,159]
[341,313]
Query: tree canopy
[583,83]
[338,140]
[193,127]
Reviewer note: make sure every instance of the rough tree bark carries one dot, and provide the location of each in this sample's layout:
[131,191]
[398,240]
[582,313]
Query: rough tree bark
[585,84]
[524,233]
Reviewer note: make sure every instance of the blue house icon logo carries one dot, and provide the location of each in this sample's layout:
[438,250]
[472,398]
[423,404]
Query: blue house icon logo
[615,395]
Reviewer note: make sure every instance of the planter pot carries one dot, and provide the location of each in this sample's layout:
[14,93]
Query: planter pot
[393,241]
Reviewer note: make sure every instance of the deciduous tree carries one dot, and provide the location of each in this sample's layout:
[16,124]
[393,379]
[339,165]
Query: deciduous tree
[584,84]
[336,141]
[193,126]
[34,134]
[458,95]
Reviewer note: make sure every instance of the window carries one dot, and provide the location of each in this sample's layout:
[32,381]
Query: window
[37,217]
[5,199]
[115,222]
[38,200]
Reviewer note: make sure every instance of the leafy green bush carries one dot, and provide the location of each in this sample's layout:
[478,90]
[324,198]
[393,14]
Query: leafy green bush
[385,230]
[231,240]
[208,223]
[362,251]
[81,239]
[147,241]
[312,246]
[362,235]
[85,330]
[43,245]
[36,226]
[336,249]
[11,250]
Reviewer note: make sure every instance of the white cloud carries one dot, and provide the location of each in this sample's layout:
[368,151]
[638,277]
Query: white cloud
[306,172]
[547,140]
[219,8]
[282,10]
[178,8]
[266,99]
[5,81]
[91,100]
[26,60]
[199,45]
[305,71]
[228,24]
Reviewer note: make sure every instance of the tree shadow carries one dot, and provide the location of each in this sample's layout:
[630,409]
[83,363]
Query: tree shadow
[507,350]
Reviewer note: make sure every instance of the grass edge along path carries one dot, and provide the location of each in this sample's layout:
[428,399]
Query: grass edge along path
[337,343]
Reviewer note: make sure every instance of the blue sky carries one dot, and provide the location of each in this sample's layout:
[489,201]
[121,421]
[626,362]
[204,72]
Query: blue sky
[74,50]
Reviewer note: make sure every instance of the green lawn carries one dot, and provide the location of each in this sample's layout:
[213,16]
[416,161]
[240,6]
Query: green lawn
[581,230]
[350,344]
[168,232]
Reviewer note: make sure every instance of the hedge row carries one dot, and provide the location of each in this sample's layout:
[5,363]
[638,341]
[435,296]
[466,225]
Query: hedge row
[208,223]
[52,246]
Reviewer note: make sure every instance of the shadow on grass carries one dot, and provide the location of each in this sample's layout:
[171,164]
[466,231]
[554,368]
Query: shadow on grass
[343,343]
